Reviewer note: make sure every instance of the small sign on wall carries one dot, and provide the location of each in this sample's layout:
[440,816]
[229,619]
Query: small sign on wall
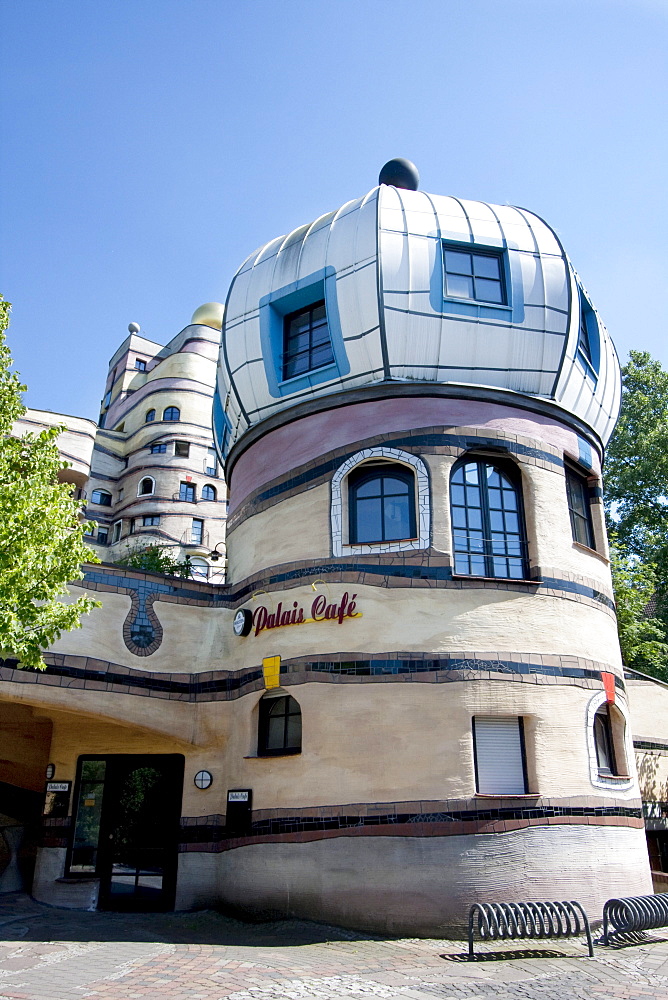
[238,816]
[57,799]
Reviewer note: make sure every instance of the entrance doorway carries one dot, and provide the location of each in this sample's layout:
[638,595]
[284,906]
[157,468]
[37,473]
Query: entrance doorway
[127,811]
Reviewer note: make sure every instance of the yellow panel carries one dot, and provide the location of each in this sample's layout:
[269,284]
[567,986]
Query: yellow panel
[271,670]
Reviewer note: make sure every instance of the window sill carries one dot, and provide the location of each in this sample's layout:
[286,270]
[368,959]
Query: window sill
[272,756]
[506,795]
[592,552]
[614,777]
[497,579]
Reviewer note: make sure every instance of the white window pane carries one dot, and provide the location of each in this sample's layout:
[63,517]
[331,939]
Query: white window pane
[499,758]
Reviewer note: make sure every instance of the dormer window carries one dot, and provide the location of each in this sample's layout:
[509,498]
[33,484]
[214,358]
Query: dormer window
[140,365]
[474,275]
[307,344]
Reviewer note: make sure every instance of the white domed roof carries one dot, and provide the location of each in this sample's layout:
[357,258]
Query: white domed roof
[417,288]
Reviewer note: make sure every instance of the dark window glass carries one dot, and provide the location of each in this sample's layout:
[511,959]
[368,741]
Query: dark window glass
[171,413]
[197,531]
[107,399]
[102,536]
[118,527]
[307,344]
[187,492]
[103,419]
[140,365]
[150,416]
[146,486]
[280,729]
[151,520]
[101,497]
[88,811]
[208,492]
[487,529]
[381,504]
[605,751]
[182,449]
[158,449]
[577,492]
[133,523]
[477,276]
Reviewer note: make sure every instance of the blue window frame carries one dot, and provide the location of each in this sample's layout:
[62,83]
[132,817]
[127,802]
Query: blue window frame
[150,416]
[300,331]
[188,492]
[208,492]
[171,413]
[158,449]
[381,504]
[589,345]
[487,521]
[151,520]
[475,275]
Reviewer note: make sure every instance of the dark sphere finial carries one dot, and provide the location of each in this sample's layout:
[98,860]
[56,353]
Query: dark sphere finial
[400,173]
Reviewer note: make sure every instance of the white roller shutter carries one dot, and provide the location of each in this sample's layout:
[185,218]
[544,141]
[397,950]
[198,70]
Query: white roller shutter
[499,755]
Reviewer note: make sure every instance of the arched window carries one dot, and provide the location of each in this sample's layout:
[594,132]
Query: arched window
[487,524]
[208,492]
[381,503]
[171,413]
[146,487]
[101,497]
[280,726]
[603,741]
[150,416]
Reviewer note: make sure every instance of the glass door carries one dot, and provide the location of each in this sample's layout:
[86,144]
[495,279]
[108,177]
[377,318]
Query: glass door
[126,828]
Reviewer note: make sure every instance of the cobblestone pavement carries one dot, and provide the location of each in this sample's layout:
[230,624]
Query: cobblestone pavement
[53,954]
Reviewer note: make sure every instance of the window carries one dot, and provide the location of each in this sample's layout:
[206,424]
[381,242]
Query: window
[120,494]
[381,503]
[280,726]
[150,416]
[118,527]
[187,492]
[140,365]
[133,523]
[102,536]
[603,741]
[199,568]
[107,399]
[171,413]
[146,486]
[577,492]
[487,529]
[103,419]
[589,348]
[208,492]
[88,814]
[474,275]
[197,531]
[101,497]
[158,449]
[307,344]
[211,464]
[182,449]
[499,755]
[151,520]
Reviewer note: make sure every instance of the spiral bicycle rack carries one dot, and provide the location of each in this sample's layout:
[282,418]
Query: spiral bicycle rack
[512,921]
[634,914]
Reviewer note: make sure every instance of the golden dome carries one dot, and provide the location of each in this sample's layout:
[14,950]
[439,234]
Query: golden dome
[210,314]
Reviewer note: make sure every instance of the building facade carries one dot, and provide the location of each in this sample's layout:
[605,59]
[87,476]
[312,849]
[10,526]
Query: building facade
[408,694]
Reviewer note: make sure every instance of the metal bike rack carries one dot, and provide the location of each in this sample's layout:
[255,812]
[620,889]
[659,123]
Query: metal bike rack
[512,921]
[633,914]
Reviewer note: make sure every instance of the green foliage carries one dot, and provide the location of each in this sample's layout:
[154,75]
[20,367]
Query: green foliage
[643,639]
[155,559]
[41,532]
[636,468]
[636,491]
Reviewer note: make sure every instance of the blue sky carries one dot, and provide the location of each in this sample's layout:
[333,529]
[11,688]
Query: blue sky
[150,146]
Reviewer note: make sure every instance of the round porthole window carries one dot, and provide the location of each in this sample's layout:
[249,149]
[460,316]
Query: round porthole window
[203,779]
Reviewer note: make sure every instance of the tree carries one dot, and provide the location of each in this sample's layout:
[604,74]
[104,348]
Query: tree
[41,531]
[155,559]
[636,489]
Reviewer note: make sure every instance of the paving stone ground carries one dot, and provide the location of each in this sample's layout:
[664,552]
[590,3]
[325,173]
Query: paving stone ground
[53,954]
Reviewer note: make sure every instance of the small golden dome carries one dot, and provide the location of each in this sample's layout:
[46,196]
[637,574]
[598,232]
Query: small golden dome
[210,314]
